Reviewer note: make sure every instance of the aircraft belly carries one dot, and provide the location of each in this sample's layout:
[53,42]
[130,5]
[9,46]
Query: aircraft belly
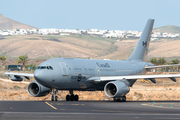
[69,84]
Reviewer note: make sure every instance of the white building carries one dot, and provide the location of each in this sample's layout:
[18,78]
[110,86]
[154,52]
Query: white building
[64,34]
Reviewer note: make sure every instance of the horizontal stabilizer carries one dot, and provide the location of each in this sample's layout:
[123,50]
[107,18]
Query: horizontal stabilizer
[161,66]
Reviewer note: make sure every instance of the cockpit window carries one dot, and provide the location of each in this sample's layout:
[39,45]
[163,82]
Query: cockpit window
[50,67]
[45,67]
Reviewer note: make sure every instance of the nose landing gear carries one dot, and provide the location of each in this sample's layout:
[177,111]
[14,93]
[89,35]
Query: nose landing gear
[54,97]
[72,97]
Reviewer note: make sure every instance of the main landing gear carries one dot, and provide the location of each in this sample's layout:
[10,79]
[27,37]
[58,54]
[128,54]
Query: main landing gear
[120,99]
[54,97]
[72,97]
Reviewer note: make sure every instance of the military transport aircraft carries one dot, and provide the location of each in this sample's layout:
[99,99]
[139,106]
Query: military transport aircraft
[114,77]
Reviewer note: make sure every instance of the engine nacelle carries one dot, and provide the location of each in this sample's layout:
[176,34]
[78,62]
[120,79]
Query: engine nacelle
[37,90]
[116,89]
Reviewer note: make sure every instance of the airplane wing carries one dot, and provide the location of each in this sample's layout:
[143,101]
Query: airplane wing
[133,77]
[161,66]
[20,74]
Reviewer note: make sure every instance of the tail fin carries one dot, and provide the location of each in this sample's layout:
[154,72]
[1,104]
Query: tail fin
[141,49]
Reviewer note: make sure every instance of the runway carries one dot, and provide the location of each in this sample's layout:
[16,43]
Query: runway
[105,110]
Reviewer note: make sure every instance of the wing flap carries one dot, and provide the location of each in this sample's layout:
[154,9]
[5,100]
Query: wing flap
[152,80]
[173,79]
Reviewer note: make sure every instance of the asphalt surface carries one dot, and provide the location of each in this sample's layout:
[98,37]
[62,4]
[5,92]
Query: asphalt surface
[101,110]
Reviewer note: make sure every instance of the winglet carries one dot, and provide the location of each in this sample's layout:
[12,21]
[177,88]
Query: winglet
[9,70]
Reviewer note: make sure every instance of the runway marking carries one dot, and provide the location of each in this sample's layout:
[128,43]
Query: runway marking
[78,104]
[70,104]
[60,104]
[159,106]
[51,105]
[108,111]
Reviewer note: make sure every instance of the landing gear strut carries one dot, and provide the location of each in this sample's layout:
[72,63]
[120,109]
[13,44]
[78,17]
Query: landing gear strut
[120,99]
[54,97]
[72,97]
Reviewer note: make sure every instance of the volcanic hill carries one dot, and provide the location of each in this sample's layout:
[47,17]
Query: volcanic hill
[9,24]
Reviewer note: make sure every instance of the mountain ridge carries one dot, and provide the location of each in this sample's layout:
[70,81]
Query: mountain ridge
[168,29]
[82,46]
[10,24]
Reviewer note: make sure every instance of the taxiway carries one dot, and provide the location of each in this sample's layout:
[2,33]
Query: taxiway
[105,110]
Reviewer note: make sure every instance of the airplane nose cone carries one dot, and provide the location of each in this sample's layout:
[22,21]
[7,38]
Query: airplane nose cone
[38,76]
[42,78]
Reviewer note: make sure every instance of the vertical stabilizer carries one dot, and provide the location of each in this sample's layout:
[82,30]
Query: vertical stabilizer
[141,49]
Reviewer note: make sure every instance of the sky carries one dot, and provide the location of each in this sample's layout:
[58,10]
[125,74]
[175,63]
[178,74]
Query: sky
[92,14]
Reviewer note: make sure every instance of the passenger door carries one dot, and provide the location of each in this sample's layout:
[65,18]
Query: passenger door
[64,69]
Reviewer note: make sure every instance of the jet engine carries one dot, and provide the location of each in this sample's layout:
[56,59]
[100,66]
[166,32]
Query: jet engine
[37,90]
[116,89]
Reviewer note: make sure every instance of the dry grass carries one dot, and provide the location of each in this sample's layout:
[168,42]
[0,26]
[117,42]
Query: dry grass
[18,91]
[36,46]
[51,46]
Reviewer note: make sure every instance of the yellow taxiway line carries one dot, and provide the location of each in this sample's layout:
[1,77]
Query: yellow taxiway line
[51,105]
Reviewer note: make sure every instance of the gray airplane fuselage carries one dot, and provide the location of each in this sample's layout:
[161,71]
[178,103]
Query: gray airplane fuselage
[65,72]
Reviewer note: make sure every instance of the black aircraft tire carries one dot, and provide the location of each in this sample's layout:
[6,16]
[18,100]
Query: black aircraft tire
[119,100]
[124,99]
[52,98]
[72,97]
[115,99]
[67,97]
[56,98]
[76,97]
